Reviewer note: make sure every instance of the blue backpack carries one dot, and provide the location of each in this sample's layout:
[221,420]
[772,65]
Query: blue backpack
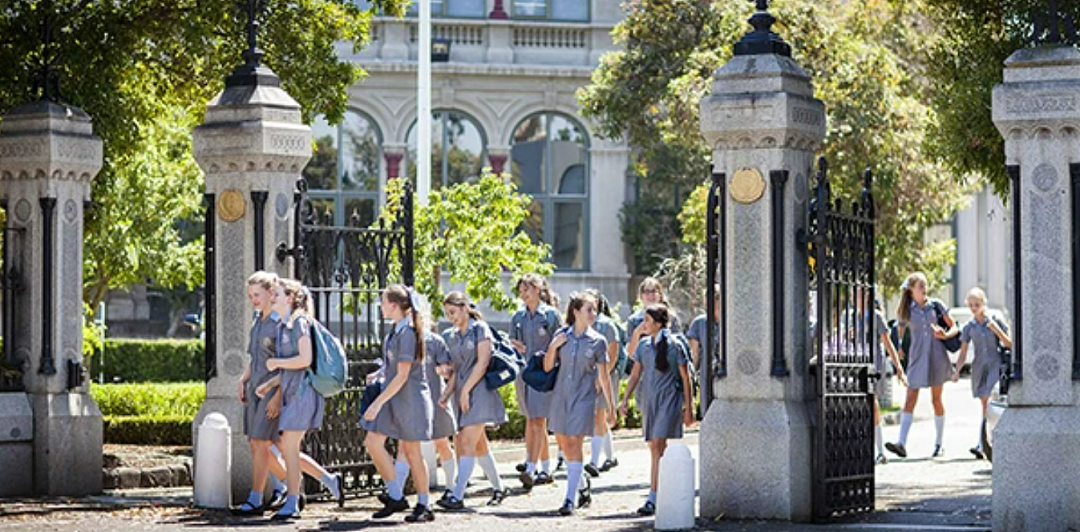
[505,364]
[329,370]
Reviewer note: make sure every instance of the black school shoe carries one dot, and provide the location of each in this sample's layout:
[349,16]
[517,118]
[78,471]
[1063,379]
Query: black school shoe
[451,503]
[498,497]
[527,480]
[585,494]
[977,452]
[277,500]
[609,465]
[391,507]
[592,470]
[420,514]
[567,508]
[247,510]
[897,449]
[647,509]
[285,517]
[544,478]
[522,467]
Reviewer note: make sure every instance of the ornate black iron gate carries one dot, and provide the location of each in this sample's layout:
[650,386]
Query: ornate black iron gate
[10,288]
[346,268]
[842,249]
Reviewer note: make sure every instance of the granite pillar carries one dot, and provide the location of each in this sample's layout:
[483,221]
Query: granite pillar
[48,157]
[764,125]
[252,147]
[1036,442]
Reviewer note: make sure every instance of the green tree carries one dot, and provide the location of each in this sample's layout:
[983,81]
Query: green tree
[978,36]
[144,70]
[473,231]
[868,62]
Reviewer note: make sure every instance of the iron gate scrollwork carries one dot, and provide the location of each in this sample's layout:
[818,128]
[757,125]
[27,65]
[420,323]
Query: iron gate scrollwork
[346,268]
[11,287]
[842,281]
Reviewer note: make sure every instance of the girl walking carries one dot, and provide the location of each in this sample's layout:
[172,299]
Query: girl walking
[885,348]
[582,357]
[532,330]
[601,441]
[404,409]
[697,332]
[445,424]
[470,343]
[928,362]
[661,368]
[982,334]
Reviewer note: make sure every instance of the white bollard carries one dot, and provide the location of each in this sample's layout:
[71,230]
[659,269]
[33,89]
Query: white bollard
[675,492]
[213,463]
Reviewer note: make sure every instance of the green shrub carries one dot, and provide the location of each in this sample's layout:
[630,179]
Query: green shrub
[149,399]
[148,430]
[128,360]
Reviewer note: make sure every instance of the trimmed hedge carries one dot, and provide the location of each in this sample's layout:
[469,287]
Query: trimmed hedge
[148,430]
[129,360]
[149,399]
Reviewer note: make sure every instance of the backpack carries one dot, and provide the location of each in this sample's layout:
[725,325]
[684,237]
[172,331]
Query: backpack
[952,345]
[505,364]
[329,370]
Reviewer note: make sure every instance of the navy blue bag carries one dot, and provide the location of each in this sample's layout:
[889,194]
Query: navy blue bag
[505,364]
[535,376]
[371,393]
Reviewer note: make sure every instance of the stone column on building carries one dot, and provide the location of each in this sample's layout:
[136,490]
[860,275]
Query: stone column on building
[497,11]
[764,125]
[252,147]
[1037,111]
[608,161]
[48,157]
[394,154]
[497,157]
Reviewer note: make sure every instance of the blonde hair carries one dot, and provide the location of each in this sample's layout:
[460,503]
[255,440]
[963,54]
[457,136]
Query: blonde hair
[652,283]
[538,281]
[266,280]
[904,310]
[293,288]
[459,299]
[977,294]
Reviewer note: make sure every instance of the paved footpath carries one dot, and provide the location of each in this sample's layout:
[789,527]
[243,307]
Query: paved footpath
[940,495]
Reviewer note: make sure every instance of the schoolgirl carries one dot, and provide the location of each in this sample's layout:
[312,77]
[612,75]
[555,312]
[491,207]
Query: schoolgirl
[301,406]
[661,368]
[581,355]
[885,348]
[651,292]
[444,426]
[982,334]
[404,409]
[477,407]
[601,441]
[531,331]
[697,331]
[928,362]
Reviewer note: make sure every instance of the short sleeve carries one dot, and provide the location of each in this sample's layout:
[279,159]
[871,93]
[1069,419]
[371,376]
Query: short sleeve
[553,319]
[302,326]
[678,352]
[965,332]
[880,327]
[608,330]
[636,355]
[695,329]
[600,350]
[405,345]
[439,353]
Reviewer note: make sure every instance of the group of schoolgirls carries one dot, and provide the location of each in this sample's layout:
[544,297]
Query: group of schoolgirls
[431,387]
[926,334]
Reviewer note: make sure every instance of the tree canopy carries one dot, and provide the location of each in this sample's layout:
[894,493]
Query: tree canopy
[868,61]
[144,70]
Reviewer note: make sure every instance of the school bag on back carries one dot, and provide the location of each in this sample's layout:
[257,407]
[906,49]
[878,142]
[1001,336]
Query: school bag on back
[329,370]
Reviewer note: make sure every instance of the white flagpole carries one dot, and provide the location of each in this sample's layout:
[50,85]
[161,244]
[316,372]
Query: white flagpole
[423,105]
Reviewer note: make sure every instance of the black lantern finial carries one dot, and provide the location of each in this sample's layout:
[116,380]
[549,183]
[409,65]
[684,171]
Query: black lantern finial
[46,84]
[1054,26]
[762,40]
[252,72]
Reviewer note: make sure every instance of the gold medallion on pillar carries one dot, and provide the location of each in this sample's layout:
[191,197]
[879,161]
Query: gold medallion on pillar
[747,185]
[231,205]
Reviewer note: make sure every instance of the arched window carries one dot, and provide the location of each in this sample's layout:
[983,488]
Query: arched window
[457,149]
[550,162]
[343,173]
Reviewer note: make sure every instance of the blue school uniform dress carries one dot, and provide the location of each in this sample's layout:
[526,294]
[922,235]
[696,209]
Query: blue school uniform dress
[660,393]
[928,362]
[535,330]
[606,327]
[880,361]
[573,401]
[985,362]
[301,406]
[697,332]
[435,355]
[409,414]
[485,405]
[262,346]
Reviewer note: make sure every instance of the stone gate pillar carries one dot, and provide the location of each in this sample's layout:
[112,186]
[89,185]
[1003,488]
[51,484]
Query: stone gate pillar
[764,125]
[48,156]
[1037,441]
[252,148]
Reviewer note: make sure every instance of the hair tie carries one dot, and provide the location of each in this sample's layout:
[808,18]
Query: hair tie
[414,298]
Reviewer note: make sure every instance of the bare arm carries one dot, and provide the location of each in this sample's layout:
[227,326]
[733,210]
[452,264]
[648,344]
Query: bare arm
[448,391]
[602,372]
[960,359]
[631,385]
[695,351]
[1003,336]
[688,396]
[612,357]
[300,361]
[894,356]
[553,351]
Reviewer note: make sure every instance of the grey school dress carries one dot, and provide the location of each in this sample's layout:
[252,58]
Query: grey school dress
[262,346]
[409,414]
[697,332]
[573,401]
[985,362]
[485,405]
[660,394]
[435,355]
[301,406]
[881,359]
[535,330]
[606,328]
[928,363]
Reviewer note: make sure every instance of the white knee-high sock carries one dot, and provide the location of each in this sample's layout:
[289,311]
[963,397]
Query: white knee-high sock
[487,463]
[879,441]
[905,425]
[449,467]
[597,444]
[609,447]
[939,424]
[427,450]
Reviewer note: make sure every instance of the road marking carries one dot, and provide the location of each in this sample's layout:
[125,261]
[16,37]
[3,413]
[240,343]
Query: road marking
[925,528]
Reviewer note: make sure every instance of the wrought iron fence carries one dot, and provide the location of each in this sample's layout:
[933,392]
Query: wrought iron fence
[11,287]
